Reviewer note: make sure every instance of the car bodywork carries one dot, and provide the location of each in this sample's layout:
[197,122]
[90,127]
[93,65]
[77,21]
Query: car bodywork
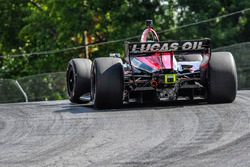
[164,68]
[153,71]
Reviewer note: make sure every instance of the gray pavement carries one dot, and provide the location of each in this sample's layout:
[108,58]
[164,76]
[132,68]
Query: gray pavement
[183,134]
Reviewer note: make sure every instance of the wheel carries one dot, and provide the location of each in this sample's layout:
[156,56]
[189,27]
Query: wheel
[107,82]
[78,79]
[222,86]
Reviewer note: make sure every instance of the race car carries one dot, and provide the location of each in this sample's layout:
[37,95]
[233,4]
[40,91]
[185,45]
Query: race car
[154,71]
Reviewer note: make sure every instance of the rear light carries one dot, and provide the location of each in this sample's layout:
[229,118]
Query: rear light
[205,60]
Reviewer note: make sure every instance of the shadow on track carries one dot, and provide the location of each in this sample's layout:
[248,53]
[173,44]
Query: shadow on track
[89,108]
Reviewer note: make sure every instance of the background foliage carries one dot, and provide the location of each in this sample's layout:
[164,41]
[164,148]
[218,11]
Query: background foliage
[31,26]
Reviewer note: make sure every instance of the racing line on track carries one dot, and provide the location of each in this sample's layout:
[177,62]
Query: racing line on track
[181,134]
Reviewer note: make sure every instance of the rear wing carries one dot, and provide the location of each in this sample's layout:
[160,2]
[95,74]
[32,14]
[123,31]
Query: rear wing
[148,48]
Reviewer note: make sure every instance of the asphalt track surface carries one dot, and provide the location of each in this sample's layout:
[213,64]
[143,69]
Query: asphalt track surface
[182,134]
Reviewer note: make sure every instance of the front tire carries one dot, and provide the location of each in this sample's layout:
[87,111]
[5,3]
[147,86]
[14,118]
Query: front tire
[107,82]
[222,87]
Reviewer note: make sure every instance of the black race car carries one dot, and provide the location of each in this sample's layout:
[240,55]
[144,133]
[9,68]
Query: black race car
[154,71]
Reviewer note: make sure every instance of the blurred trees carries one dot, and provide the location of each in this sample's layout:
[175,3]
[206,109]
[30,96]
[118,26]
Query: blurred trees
[30,26]
[230,30]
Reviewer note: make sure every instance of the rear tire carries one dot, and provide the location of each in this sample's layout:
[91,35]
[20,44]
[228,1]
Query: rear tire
[78,79]
[107,82]
[222,87]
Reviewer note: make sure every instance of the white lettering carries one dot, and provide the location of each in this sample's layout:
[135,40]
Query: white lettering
[145,48]
[155,47]
[134,48]
[174,47]
[200,46]
[194,45]
[187,46]
[164,47]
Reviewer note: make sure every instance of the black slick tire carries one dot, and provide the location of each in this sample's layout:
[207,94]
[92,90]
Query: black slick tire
[78,79]
[222,86]
[107,82]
